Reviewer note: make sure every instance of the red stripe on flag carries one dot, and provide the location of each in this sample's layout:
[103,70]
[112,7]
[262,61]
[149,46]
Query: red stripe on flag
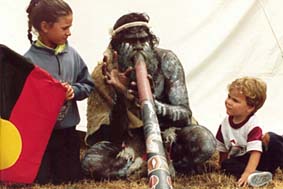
[34,115]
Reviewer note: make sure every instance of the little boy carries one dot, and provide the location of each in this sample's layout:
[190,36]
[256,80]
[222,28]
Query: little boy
[244,151]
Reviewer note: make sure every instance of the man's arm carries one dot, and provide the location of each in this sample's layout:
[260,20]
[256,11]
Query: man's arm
[175,105]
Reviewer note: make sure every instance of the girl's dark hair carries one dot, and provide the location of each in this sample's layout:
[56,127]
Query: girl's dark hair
[128,18]
[45,10]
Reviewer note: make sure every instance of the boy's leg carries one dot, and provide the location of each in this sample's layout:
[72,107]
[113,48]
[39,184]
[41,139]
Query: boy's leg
[235,166]
[272,155]
[259,178]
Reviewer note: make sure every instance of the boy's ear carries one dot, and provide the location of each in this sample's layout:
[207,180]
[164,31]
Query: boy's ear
[251,109]
[44,26]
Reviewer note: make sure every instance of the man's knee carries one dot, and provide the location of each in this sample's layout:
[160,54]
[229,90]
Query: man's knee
[197,143]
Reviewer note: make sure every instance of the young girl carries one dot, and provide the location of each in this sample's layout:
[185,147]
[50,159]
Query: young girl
[52,20]
[240,138]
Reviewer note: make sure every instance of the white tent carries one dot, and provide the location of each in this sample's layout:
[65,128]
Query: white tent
[217,41]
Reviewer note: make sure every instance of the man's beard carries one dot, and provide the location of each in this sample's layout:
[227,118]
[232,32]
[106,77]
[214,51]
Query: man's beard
[126,59]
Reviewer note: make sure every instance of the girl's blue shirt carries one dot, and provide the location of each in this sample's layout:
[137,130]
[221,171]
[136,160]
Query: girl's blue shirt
[65,66]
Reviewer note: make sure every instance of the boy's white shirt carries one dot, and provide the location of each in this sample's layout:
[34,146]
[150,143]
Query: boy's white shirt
[236,140]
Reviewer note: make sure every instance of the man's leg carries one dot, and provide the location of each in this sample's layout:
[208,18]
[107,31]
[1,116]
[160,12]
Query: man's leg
[194,145]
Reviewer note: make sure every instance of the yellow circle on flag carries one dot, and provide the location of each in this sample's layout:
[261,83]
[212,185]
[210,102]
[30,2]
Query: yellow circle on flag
[10,144]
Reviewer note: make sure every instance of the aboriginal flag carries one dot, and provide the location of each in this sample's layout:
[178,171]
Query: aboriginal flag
[30,100]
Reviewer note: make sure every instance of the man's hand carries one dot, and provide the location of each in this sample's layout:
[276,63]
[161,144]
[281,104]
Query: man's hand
[119,80]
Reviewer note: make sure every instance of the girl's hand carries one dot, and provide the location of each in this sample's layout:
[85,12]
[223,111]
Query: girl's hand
[70,91]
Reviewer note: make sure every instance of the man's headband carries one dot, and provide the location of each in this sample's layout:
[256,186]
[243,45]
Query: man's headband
[128,25]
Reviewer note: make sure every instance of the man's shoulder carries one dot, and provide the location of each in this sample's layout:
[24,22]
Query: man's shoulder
[168,59]
[166,55]
[161,52]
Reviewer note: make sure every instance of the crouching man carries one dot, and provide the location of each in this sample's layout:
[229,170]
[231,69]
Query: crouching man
[115,131]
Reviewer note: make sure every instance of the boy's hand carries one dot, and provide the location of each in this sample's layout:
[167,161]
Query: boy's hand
[243,181]
[250,167]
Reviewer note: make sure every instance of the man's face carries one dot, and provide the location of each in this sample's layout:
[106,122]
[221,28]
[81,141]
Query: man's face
[129,47]
[132,45]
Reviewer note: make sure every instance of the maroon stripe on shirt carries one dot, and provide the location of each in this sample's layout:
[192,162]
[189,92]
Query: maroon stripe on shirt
[219,135]
[255,134]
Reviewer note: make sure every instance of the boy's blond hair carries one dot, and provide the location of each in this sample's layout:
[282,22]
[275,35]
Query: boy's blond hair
[253,88]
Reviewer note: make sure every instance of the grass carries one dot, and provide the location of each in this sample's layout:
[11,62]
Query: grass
[212,179]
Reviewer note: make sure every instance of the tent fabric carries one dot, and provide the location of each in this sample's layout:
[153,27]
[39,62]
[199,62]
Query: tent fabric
[30,100]
[216,41]
[243,43]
